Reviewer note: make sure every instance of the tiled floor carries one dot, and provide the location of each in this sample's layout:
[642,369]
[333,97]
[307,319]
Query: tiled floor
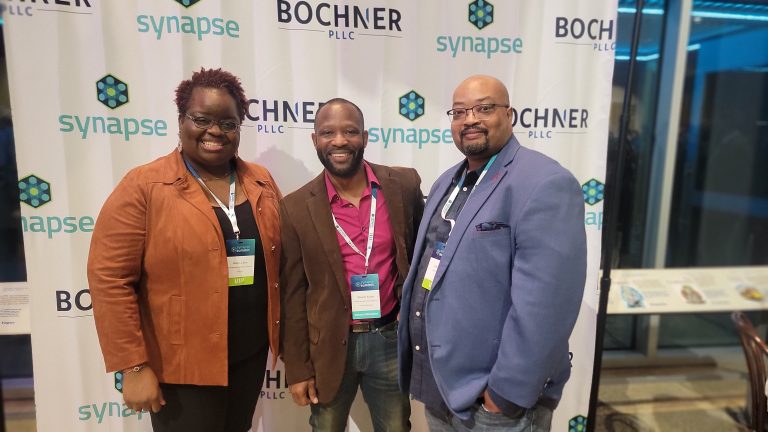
[697,399]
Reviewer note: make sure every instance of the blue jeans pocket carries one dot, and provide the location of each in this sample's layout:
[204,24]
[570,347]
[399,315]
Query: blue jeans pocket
[389,332]
[489,421]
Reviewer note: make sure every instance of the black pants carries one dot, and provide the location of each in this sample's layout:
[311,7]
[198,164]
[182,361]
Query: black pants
[191,408]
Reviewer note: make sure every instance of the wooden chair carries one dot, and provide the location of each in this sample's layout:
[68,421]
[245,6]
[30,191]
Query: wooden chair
[755,352]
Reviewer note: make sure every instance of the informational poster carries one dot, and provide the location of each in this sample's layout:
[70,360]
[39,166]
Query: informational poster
[14,308]
[682,290]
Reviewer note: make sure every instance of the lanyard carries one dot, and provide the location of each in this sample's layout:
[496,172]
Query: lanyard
[371,226]
[229,211]
[455,193]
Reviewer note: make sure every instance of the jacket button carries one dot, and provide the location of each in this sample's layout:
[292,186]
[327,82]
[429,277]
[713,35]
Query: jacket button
[343,341]
[273,248]
[259,208]
[277,284]
[277,322]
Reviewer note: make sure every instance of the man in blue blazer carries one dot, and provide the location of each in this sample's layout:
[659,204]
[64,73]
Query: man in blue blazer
[497,277]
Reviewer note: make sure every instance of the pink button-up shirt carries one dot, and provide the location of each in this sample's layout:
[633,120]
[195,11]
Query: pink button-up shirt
[354,221]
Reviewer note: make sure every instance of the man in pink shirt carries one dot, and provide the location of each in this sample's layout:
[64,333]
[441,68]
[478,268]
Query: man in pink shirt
[347,241]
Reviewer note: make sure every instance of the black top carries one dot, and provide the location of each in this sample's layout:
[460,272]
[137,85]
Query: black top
[247,317]
[423,386]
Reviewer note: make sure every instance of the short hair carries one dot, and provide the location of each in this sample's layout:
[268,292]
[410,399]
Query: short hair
[339,101]
[211,78]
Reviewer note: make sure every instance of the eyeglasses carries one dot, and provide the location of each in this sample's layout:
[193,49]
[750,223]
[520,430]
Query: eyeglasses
[481,112]
[226,126]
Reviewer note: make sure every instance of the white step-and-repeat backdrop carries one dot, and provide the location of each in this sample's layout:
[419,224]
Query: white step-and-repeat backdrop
[92,86]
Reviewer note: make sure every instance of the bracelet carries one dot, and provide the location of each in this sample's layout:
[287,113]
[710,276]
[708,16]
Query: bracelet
[133,369]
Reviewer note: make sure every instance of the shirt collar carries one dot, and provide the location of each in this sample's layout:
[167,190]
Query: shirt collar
[472,176]
[372,179]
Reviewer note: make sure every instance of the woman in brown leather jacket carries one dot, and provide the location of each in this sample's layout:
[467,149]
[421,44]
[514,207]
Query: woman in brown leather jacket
[183,270]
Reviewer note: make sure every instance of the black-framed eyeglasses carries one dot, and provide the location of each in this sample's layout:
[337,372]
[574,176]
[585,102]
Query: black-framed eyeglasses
[481,111]
[226,126]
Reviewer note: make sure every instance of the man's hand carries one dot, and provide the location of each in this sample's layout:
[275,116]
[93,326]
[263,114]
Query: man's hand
[488,403]
[141,391]
[304,392]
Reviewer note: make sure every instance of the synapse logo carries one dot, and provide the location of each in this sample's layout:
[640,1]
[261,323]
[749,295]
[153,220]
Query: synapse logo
[111,91]
[594,32]
[187,3]
[481,13]
[411,105]
[34,191]
[593,191]
[101,411]
[577,424]
[200,26]
[339,21]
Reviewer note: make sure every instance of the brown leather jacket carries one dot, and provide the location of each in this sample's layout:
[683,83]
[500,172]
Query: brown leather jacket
[315,289]
[157,272]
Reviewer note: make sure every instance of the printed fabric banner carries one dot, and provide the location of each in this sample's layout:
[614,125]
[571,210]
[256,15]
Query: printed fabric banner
[92,85]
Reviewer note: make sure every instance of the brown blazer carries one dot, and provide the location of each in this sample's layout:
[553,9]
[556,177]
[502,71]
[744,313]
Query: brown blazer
[157,271]
[316,301]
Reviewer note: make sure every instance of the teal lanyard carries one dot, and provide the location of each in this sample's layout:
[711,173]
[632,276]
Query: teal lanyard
[459,185]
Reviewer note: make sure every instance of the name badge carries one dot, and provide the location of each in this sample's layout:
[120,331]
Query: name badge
[241,257]
[434,262]
[366,302]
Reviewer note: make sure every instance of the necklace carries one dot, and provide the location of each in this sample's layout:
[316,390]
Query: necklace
[217,178]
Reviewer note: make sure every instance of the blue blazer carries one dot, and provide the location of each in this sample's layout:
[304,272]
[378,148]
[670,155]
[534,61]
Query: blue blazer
[504,301]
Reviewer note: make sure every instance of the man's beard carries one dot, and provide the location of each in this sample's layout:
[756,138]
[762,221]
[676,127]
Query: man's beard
[346,171]
[474,148]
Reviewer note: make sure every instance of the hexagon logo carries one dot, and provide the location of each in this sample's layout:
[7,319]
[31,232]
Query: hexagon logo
[481,14]
[593,191]
[577,424]
[119,381]
[187,3]
[411,105]
[34,191]
[111,91]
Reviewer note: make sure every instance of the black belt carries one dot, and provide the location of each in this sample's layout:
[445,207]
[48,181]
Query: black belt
[373,325]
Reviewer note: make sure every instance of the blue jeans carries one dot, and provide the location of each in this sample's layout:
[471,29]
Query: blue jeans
[536,419]
[371,365]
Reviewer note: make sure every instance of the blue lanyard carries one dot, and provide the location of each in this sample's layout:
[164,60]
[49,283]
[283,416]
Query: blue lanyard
[228,210]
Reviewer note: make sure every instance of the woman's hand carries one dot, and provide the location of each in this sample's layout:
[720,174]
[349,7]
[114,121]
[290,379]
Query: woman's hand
[141,391]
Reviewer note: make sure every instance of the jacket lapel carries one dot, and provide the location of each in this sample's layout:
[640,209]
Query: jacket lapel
[320,213]
[190,191]
[251,187]
[476,200]
[393,193]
